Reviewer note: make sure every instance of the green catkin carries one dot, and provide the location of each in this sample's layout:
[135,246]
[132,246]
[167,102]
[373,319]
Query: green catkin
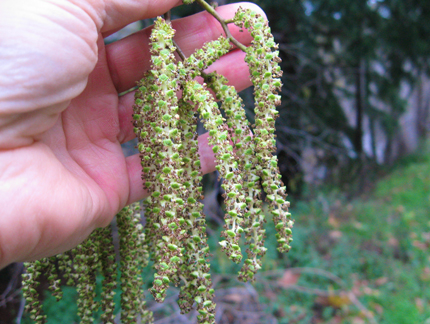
[202,58]
[52,275]
[168,186]
[132,254]
[241,137]
[65,267]
[197,285]
[108,270]
[85,264]
[227,166]
[265,75]
[29,288]
[145,133]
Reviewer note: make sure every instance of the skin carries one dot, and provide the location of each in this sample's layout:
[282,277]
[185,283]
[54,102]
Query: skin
[62,170]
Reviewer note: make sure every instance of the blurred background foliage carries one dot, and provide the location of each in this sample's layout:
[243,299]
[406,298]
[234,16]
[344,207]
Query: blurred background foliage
[356,87]
[352,150]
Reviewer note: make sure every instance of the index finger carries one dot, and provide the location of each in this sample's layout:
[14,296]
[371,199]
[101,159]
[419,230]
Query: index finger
[116,14]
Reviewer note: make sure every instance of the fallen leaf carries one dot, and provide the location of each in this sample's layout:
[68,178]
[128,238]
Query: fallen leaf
[336,319]
[400,209]
[378,308]
[332,221]
[371,292]
[338,301]
[357,287]
[358,225]
[419,245]
[335,235]
[234,298]
[271,295]
[381,281]
[289,278]
[357,320]
[334,300]
[420,304]
[392,241]
[425,275]
[366,314]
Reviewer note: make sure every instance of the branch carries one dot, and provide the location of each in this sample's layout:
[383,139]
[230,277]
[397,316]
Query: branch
[223,23]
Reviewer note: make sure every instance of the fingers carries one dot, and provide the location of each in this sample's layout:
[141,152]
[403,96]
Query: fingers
[119,13]
[207,160]
[136,191]
[129,58]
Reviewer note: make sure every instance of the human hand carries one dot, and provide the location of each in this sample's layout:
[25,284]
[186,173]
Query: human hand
[62,170]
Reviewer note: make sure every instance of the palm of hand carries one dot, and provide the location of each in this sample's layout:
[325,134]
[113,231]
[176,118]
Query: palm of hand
[69,174]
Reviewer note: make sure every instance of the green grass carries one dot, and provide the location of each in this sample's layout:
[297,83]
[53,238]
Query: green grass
[378,246]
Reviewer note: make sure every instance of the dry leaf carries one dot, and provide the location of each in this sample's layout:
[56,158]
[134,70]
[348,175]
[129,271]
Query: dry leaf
[358,320]
[289,279]
[335,301]
[425,275]
[420,304]
[392,241]
[358,225]
[335,235]
[400,209]
[381,281]
[338,301]
[234,298]
[370,291]
[420,245]
[271,295]
[378,308]
[332,221]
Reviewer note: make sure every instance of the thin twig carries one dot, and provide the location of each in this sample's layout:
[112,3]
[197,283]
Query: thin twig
[223,23]
[168,16]
[20,311]
[17,271]
[10,298]
[179,51]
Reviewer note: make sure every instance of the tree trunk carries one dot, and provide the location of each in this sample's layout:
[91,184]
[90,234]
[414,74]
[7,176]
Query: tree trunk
[360,81]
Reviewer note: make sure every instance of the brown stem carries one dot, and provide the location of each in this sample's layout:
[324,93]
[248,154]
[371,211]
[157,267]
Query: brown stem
[167,16]
[223,23]
[179,51]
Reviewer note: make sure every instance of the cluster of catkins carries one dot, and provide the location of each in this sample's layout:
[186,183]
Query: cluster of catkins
[96,257]
[174,236]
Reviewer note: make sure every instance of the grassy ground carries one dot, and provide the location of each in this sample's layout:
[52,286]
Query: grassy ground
[377,247]
[360,261]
